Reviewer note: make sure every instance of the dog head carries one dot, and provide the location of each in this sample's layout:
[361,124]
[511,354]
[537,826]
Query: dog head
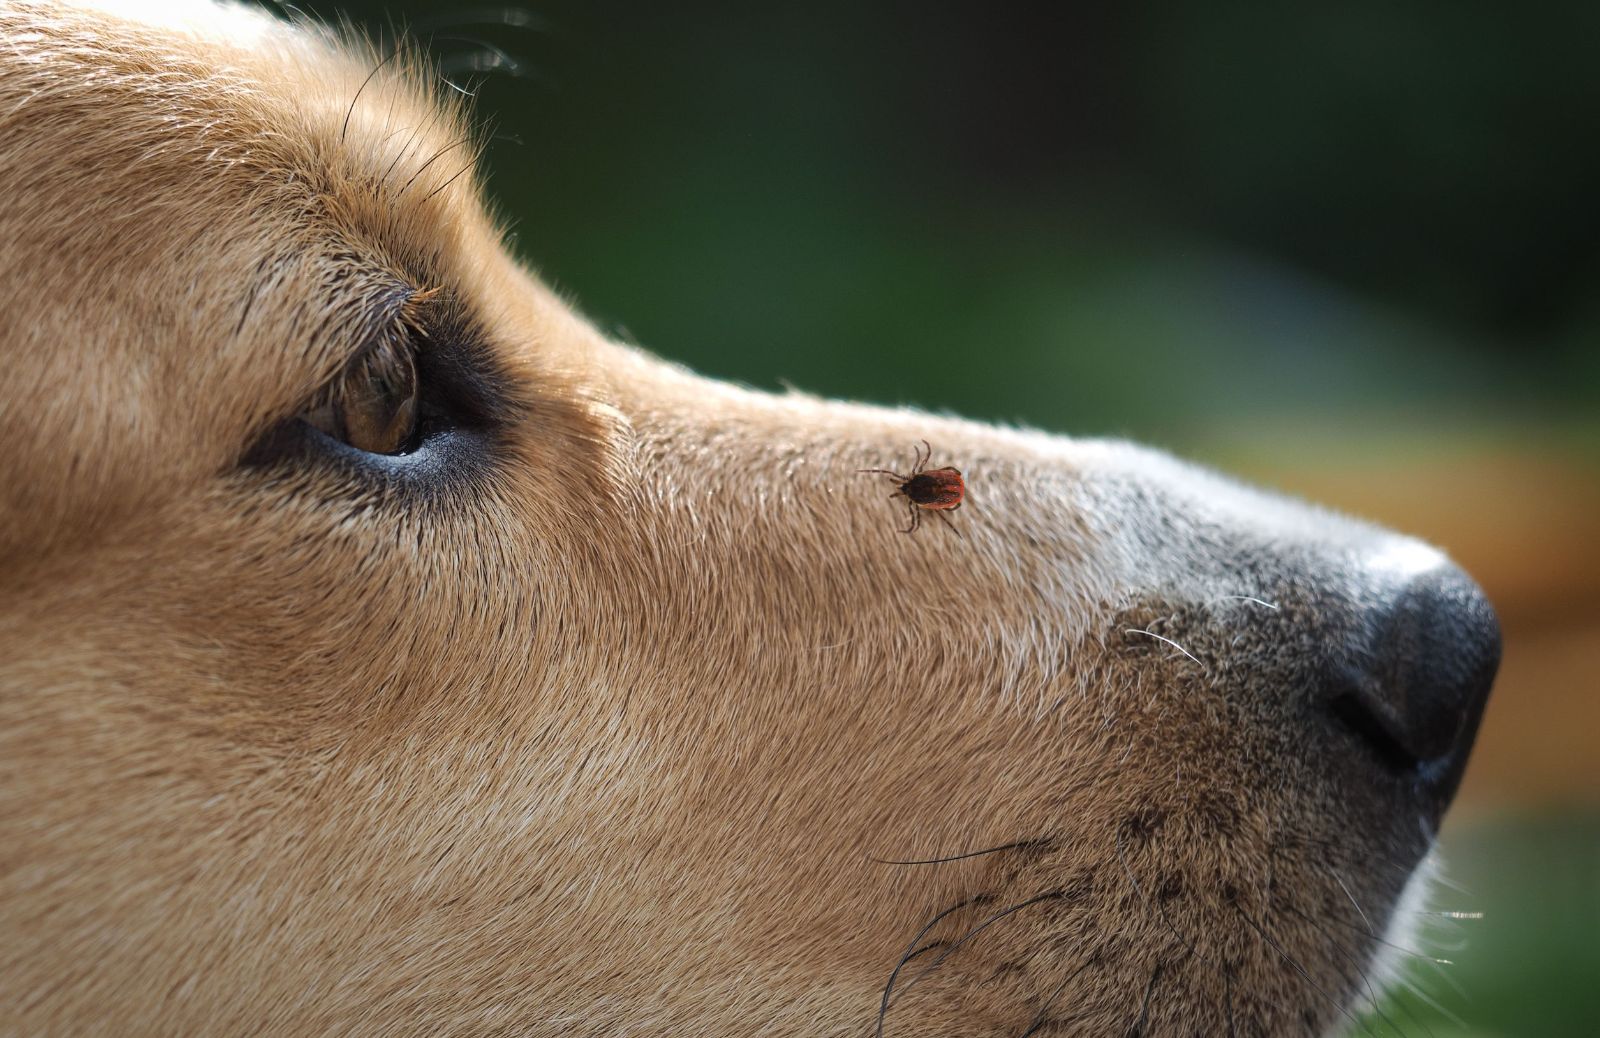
[384,649]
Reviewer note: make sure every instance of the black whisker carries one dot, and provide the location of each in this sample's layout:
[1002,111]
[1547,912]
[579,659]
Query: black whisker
[434,114]
[1363,931]
[1160,909]
[458,142]
[914,948]
[351,110]
[1227,981]
[1295,964]
[1361,970]
[1016,845]
[976,930]
[1043,1016]
[453,176]
[1144,1010]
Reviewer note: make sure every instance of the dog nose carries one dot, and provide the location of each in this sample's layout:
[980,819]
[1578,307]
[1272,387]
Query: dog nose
[1415,692]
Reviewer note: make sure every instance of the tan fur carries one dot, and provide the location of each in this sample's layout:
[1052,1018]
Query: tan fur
[605,738]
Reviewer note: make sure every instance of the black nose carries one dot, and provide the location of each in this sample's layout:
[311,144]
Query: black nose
[1415,691]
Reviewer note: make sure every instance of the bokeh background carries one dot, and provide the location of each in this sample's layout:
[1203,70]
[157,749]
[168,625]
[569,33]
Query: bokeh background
[1349,250]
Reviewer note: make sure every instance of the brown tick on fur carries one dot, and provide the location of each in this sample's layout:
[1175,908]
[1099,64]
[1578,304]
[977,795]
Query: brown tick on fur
[934,490]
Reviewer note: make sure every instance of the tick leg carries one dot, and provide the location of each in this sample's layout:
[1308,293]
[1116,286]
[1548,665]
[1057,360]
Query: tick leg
[924,457]
[950,524]
[916,520]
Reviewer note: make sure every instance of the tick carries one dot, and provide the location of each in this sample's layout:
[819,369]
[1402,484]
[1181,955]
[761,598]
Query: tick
[932,490]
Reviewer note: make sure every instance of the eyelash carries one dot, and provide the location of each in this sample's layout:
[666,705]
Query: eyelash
[374,403]
[462,404]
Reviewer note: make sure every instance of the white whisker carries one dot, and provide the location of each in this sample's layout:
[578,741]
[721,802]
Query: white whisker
[1159,638]
[1356,904]
[1248,598]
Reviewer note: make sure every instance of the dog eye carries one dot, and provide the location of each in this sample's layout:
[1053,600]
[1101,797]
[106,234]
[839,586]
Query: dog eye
[372,405]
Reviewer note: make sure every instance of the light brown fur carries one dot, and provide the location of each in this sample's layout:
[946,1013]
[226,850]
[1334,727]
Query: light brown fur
[605,737]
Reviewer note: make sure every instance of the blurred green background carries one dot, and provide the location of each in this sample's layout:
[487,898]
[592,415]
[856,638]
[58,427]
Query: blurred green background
[1350,250]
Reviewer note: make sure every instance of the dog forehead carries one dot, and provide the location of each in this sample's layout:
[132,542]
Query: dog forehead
[195,17]
[155,99]
[192,196]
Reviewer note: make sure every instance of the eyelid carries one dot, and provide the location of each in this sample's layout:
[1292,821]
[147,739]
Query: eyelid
[465,400]
[396,318]
[386,352]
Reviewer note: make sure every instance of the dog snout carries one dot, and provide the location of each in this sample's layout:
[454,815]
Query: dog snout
[1415,691]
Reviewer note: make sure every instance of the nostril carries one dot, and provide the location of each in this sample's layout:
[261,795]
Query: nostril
[1426,671]
[1353,712]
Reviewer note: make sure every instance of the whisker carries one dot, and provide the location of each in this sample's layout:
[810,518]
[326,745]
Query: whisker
[1417,992]
[1043,1015]
[351,110]
[1247,598]
[453,177]
[1295,963]
[1354,903]
[1414,1018]
[1443,974]
[458,88]
[458,142]
[1016,845]
[1144,1010]
[416,133]
[1227,981]
[1121,857]
[1159,638]
[1361,971]
[1441,880]
[912,950]
[973,933]
[1414,953]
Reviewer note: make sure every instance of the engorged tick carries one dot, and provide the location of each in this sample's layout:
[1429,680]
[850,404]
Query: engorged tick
[934,490]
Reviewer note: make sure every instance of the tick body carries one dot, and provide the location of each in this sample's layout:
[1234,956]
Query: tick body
[927,490]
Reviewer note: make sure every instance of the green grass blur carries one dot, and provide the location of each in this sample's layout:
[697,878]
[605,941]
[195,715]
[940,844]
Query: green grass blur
[1524,961]
[1288,238]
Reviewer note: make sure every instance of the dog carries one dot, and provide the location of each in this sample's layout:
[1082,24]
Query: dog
[384,651]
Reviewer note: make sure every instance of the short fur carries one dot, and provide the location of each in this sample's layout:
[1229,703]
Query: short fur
[643,719]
